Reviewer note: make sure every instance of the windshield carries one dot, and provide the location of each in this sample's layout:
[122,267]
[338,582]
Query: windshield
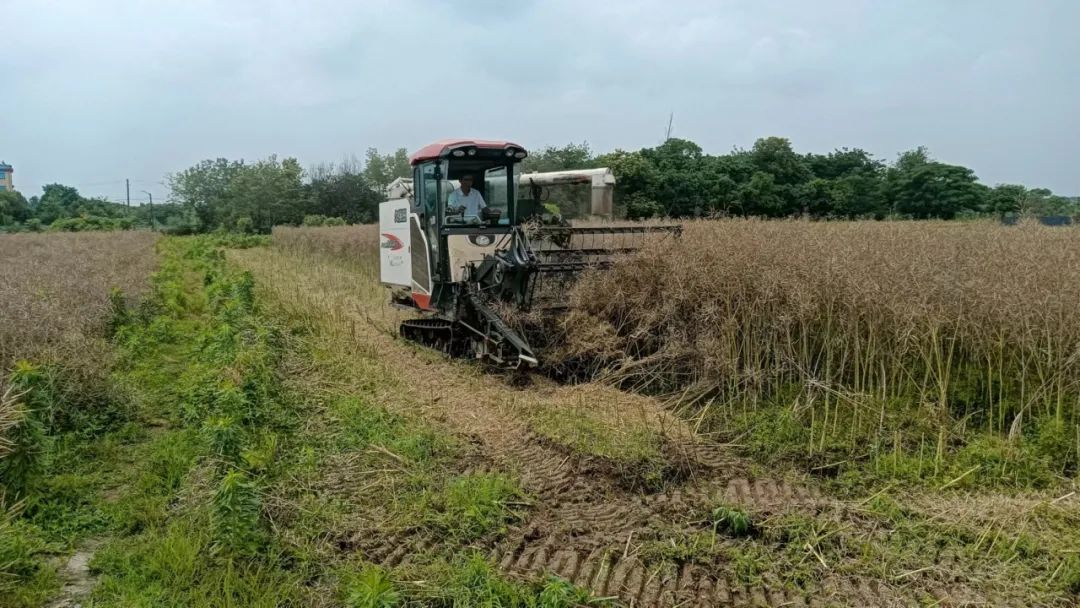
[479,197]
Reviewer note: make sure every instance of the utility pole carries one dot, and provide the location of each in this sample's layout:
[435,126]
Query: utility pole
[151,208]
[127,187]
[671,119]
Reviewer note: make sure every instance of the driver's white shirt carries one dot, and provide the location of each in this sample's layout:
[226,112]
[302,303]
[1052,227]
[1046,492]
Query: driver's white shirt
[473,201]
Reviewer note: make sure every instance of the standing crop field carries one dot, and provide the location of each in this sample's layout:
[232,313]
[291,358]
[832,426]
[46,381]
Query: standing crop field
[55,289]
[903,337]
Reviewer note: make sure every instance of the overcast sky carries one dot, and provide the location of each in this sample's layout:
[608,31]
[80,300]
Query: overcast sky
[95,91]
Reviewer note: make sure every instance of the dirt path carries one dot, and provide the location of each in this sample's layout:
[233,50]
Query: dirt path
[75,574]
[586,525]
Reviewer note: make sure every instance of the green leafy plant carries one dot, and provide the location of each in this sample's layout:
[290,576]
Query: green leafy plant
[223,438]
[119,315]
[24,437]
[372,589]
[235,516]
[732,521]
[260,457]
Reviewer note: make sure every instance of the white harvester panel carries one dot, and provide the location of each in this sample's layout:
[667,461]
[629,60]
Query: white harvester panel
[395,266]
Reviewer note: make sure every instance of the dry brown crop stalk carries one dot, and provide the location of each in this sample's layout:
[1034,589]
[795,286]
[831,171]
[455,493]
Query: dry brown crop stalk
[958,315]
[10,415]
[54,291]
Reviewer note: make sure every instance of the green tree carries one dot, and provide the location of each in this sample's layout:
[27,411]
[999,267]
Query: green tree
[859,195]
[552,158]
[774,156]
[342,191]
[818,197]
[843,162]
[724,177]
[1041,201]
[761,196]
[639,207]
[56,201]
[13,208]
[1006,198]
[634,175]
[380,170]
[923,188]
[684,185]
[265,193]
[203,189]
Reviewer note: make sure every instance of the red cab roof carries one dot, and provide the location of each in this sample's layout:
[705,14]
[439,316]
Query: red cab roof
[444,146]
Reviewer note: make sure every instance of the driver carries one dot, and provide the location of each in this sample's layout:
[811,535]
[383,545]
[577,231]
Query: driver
[469,202]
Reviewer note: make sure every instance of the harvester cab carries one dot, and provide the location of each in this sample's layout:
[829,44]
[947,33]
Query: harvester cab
[463,267]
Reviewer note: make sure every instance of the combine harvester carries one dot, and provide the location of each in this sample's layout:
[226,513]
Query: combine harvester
[462,273]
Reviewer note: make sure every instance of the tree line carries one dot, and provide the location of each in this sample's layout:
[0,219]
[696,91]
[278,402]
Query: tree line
[62,208]
[255,197]
[223,194]
[675,179]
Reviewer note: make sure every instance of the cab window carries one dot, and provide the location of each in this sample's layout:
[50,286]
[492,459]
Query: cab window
[496,193]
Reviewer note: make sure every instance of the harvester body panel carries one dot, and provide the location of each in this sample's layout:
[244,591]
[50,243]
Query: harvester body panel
[395,244]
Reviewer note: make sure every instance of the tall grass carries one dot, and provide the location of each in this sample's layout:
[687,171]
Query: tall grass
[972,324]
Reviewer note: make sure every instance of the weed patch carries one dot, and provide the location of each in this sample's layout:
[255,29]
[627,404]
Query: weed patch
[473,506]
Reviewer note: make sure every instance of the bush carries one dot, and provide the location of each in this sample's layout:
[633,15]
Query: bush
[91,223]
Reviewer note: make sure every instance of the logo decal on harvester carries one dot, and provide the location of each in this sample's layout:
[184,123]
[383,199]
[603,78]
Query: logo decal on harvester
[392,242]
